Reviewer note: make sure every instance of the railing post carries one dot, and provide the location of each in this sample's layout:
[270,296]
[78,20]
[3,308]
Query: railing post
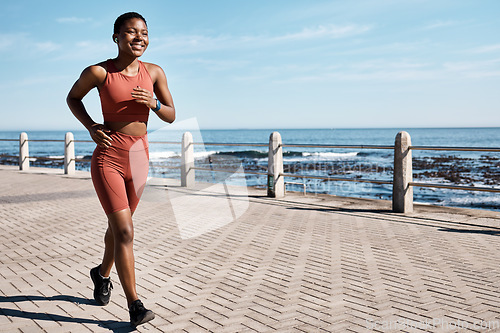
[69,154]
[187,161]
[275,181]
[402,192]
[24,161]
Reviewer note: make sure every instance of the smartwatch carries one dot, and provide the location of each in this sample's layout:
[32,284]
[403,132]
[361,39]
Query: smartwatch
[158,106]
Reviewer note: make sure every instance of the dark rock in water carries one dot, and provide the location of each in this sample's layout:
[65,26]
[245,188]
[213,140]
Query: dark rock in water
[250,154]
[8,160]
[458,170]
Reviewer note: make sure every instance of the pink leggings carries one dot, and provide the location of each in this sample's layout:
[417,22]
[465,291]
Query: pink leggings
[119,173]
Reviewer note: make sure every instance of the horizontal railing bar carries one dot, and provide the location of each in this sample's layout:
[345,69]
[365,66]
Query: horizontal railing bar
[440,148]
[338,146]
[12,156]
[155,142]
[358,180]
[487,149]
[455,187]
[232,144]
[89,160]
[170,167]
[46,158]
[166,142]
[230,171]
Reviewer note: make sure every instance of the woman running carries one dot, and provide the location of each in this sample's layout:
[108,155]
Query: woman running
[120,161]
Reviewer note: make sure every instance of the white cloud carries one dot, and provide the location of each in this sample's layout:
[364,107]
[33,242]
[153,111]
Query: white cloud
[325,31]
[368,76]
[10,41]
[380,64]
[378,70]
[33,81]
[483,74]
[218,65]
[47,47]
[202,43]
[461,66]
[386,71]
[475,69]
[22,45]
[92,51]
[73,20]
[393,49]
[440,24]
[486,49]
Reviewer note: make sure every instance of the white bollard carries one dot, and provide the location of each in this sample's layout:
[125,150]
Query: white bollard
[187,160]
[275,181]
[24,161]
[402,192]
[69,154]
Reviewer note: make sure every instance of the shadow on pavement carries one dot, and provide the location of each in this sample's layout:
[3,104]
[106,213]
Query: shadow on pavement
[469,231]
[112,325]
[388,215]
[67,298]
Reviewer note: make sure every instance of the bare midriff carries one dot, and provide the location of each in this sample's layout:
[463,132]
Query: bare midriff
[136,128]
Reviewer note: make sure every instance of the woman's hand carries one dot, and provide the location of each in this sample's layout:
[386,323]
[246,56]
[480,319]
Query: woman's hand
[143,96]
[98,134]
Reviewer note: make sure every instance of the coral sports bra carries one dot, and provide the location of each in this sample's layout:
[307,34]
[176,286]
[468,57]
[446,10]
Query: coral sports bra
[116,99]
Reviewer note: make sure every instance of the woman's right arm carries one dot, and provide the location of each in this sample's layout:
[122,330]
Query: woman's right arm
[90,78]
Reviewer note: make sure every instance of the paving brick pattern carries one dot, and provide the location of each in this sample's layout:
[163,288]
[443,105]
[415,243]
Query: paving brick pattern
[300,264]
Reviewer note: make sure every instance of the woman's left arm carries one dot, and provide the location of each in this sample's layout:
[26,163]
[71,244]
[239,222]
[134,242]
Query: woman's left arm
[167,110]
[143,96]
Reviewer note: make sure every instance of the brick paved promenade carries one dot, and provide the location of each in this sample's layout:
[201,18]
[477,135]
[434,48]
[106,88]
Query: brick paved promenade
[301,264]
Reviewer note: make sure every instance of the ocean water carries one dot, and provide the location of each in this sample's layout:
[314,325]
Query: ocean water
[448,167]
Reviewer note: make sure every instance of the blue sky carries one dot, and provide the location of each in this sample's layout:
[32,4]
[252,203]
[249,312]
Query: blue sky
[267,64]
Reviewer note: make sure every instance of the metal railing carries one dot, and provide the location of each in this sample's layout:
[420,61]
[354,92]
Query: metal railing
[271,173]
[343,179]
[416,184]
[338,146]
[483,149]
[456,187]
[230,145]
[338,179]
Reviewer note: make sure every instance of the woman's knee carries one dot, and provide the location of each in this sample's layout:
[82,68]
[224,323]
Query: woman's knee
[124,234]
[121,226]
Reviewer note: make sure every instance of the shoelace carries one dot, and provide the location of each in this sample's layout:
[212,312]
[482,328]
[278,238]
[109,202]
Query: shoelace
[138,307]
[107,286]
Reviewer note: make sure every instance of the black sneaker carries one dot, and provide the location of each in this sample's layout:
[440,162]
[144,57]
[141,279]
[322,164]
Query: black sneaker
[102,287]
[139,314]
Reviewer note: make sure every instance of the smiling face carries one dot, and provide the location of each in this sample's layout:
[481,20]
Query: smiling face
[133,37]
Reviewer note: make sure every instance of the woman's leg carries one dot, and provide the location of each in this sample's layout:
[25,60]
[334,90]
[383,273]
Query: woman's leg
[122,230]
[109,252]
